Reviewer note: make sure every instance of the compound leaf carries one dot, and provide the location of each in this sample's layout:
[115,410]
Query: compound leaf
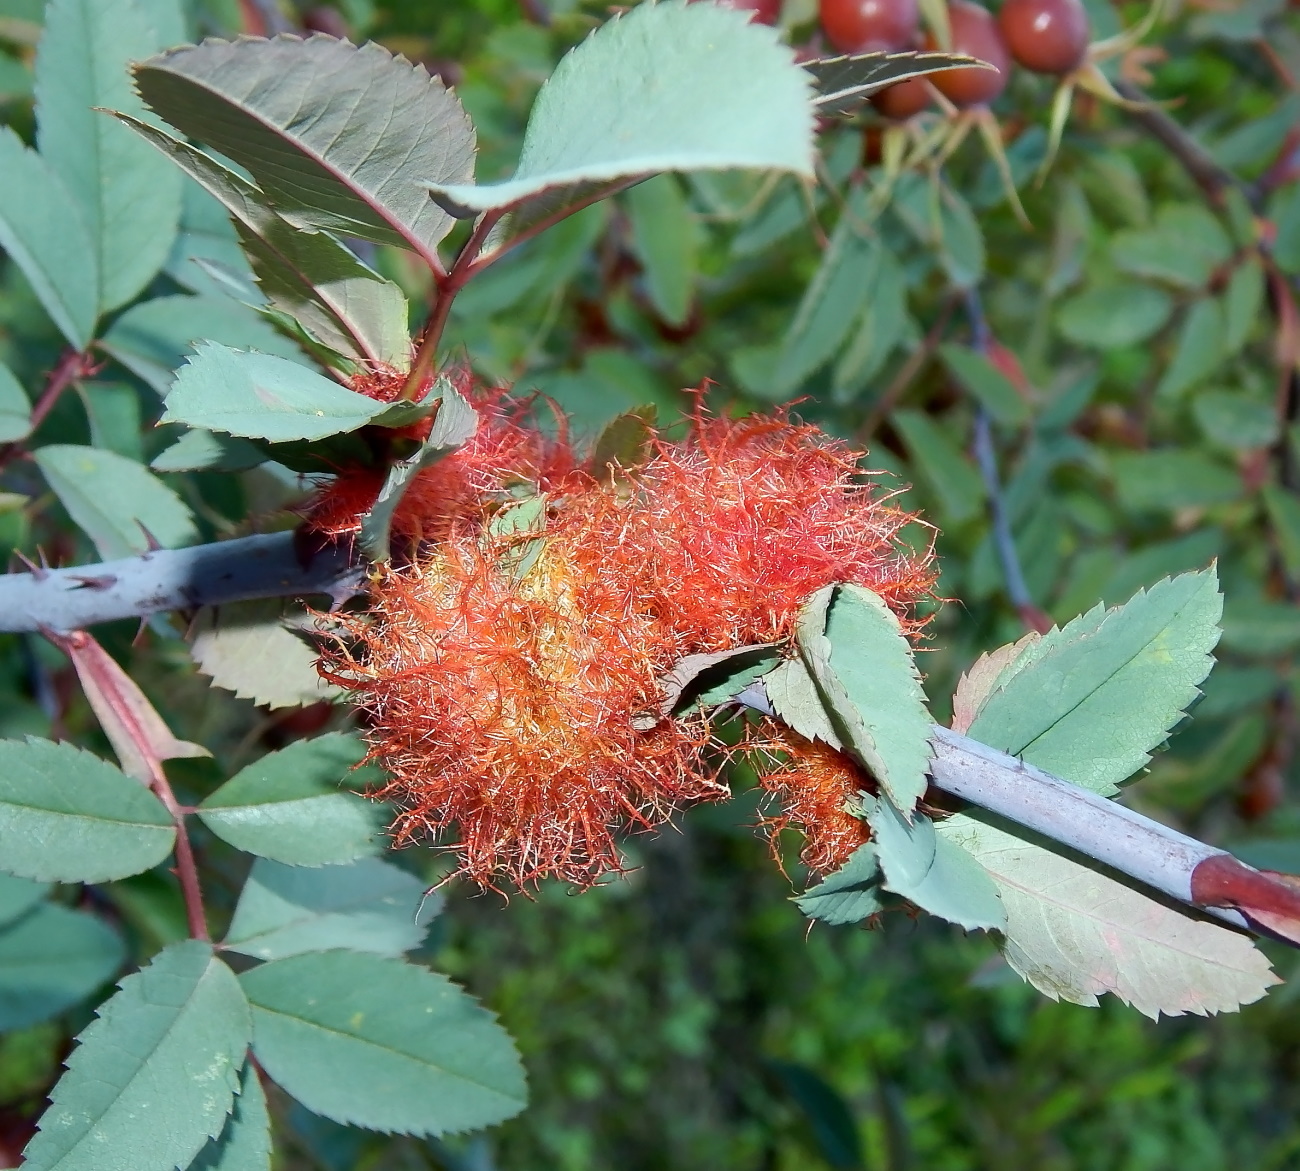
[1092,700]
[367,905]
[289,806]
[380,129]
[1075,932]
[380,1043]
[167,1047]
[67,816]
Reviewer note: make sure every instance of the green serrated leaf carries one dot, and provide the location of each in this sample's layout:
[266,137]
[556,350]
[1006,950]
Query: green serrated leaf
[366,905]
[309,276]
[933,872]
[793,694]
[15,409]
[1092,700]
[52,959]
[679,88]
[665,238]
[167,1047]
[118,503]
[67,816]
[262,397]
[289,806]
[850,894]
[379,1043]
[1075,932]
[626,441]
[380,129]
[246,648]
[845,82]
[244,1144]
[206,451]
[131,199]
[152,339]
[706,680]
[986,382]
[42,230]
[856,651]
[18,896]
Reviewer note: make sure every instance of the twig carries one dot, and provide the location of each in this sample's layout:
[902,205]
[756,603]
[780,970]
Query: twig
[267,566]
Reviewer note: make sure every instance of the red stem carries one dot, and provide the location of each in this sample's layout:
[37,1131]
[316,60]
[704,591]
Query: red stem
[73,365]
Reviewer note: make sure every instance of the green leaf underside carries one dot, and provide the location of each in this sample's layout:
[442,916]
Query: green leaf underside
[289,806]
[259,396]
[383,1044]
[42,230]
[168,1048]
[50,960]
[246,648]
[850,894]
[67,816]
[665,87]
[18,896]
[706,680]
[15,409]
[244,1144]
[207,451]
[854,647]
[131,199]
[366,905]
[845,82]
[308,275]
[380,129]
[793,694]
[118,503]
[931,871]
[1075,933]
[1091,701]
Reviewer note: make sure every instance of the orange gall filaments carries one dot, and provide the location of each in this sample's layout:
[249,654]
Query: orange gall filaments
[517,706]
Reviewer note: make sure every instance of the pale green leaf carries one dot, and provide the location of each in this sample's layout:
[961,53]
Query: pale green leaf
[850,894]
[18,896]
[1075,932]
[706,680]
[42,230]
[933,872]
[367,905]
[15,409]
[379,1043]
[793,694]
[263,397]
[153,338]
[986,382]
[942,465]
[977,684]
[380,129]
[1183,247]
[67,816]
[244,1144]
[1198,350]
[290,805]
[665,238]
[246,648]
[118,503]
[52,959]
[664,87]
[131,198]
[308,275]
[1091,701]
[168,1048]
[1173,478]
[1108,316]
[206,451]
[854,647]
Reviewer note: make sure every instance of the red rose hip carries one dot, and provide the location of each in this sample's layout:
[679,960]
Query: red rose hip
[974,33]
[1045,36]
[902,100]
[859,26]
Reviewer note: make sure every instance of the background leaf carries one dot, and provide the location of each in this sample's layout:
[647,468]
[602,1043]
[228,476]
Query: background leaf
[367,905]
[381,129]
[383,1044]
[182,1015]
[695,87]
[67,816]
[51,959]
[18,896]
[244,1144]
[665,239]
[291,805]
[15,409]
[246,648]
[131,198]
[1089,702]
[1075,932]
[118,503]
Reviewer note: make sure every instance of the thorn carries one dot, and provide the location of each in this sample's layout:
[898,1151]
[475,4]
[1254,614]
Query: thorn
[139,633]
[38,572]
[103,581]
[152,542]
